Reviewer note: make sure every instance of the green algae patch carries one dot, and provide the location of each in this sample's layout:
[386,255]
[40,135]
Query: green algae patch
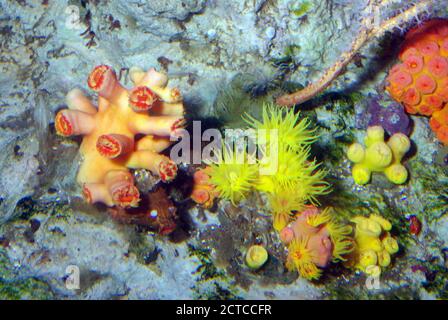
[28,289]
[301,8]
[14,288]
[211,282]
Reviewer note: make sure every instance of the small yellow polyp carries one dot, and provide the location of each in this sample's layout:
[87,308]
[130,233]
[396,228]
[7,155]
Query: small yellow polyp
[256,257]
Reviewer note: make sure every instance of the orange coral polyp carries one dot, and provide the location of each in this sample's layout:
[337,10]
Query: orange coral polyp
[108,147]
[412,97]
[96,77]
[401,79]
[126,196]
[203,192]
[62,125]
[167,170]
[114,145]
[428,48]
[414,63]
[425,84]
[438,66]
[142,98]
[434,102]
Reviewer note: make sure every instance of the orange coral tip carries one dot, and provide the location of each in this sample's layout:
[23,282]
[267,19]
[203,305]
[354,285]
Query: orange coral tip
[114,145]
[167,170]
[435,102]
[126,196]
[434,124]
[426,110]
[141,98]
[200,196]
[410,109]
[87,195]
[96,77]
[62,125]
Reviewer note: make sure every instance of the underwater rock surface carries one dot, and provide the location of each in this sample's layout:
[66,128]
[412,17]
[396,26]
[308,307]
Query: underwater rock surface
[48,48]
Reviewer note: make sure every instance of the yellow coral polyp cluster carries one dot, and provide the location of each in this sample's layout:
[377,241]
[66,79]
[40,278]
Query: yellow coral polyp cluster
[233,175]
[284,171]
[374,244]
[379,156]
[150,110]
[285,128]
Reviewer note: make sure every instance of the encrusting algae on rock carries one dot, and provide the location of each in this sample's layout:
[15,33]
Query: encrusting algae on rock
[379,156]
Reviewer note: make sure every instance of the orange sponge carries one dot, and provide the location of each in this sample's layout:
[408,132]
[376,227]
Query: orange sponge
[420,80]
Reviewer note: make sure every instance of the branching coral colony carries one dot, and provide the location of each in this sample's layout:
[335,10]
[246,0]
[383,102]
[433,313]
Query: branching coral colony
[370,28]
[109,147]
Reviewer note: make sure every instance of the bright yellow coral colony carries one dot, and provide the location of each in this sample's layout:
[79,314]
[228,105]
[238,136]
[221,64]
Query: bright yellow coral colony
[109,147]
[314,237]
[379,156]
[374,244]
[296,180]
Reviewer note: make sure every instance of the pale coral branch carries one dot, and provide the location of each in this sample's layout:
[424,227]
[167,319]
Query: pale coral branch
[363,37]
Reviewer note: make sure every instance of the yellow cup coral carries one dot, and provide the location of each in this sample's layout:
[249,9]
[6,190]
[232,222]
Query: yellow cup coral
[373,243]
[233,176]
[379,156]
[287,175]
[256,257]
